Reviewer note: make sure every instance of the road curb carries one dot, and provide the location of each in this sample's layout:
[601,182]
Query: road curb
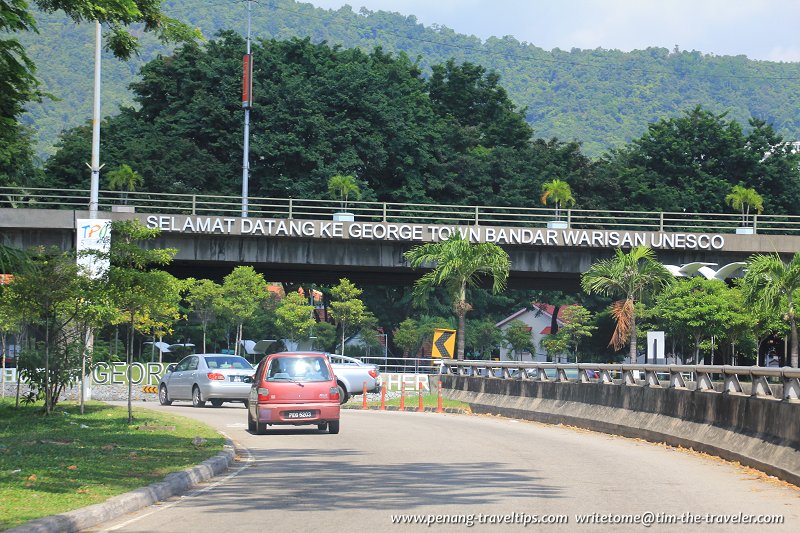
[172,485]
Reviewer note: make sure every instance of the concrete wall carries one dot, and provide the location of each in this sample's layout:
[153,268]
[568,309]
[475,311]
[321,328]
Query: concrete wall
[757,432]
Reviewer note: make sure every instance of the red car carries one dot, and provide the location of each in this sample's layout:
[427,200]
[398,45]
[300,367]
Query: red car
[293,388]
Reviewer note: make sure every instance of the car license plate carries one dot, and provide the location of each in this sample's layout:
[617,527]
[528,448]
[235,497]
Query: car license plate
[236,378]
[299,414]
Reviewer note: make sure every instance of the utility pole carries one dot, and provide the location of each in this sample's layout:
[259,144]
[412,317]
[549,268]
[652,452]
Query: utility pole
[247,103]
[94,185]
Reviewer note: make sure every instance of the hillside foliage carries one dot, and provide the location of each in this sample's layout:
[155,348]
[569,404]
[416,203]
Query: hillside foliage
[452,138]
[601,98]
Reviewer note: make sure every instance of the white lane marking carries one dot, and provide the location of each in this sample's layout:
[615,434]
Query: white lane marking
[248,462]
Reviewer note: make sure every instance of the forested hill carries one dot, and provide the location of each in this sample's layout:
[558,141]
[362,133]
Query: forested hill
[602,98]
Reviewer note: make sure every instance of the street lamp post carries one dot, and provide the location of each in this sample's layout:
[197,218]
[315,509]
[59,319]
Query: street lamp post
[247,102]
[94,185]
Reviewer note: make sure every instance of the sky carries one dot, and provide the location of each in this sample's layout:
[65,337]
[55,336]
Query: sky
[760,29]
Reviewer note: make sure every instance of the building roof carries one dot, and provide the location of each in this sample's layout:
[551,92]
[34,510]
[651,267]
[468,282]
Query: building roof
[512,317]
[536,307]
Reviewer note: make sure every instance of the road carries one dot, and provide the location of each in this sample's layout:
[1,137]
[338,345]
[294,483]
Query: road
[391,463]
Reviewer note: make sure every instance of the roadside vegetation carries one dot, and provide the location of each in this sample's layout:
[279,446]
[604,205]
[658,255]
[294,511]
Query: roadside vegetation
[411,402]
[453,136]
[57,463]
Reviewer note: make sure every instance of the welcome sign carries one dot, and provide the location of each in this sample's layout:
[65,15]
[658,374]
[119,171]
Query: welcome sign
[387,231]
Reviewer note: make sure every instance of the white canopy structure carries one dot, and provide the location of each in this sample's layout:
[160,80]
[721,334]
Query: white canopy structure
[731,270]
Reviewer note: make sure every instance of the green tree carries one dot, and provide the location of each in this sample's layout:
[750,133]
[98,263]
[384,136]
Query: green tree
[61,318]
[125,179]
[19,165]
[20,84]
[411,334]
[577,324]
[700,308]
[555,345]
[458,264]
[325,334]
[18,80]
[13,260]
[558,192]
[294,318]
[243,290]
[160,317]
[204,297]
[770,282]
[690,163]
[406,336]
[631,276]
[477,106]
[347,309]
[743,199]
[10,324]
[483,337]
[342,187]
[518,337]
[372,115]
[764,323]
[136,287]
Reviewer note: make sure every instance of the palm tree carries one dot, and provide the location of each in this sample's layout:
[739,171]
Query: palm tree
[124,179]
[744,199]
[559,193]
[629,276]
[342,187]
[458,264]
[13,260]
[773,283]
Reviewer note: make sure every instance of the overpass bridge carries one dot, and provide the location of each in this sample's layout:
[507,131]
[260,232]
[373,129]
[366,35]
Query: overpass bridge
[301,240]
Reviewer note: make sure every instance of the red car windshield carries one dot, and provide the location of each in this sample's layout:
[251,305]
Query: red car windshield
[305,368]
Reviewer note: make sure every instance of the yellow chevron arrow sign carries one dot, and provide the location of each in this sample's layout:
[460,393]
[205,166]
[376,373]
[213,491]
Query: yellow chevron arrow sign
[444,343]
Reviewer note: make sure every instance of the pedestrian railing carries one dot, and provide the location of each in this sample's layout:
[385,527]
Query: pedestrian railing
[405,365]
[391,212]
[707,378]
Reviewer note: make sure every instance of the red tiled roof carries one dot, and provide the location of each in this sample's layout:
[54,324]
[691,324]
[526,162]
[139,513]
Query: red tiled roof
[548,308]
[276,290]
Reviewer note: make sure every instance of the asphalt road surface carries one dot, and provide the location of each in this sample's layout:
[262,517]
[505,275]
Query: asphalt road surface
[388,466]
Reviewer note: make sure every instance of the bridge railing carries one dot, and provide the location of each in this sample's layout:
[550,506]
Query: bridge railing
[405,365]
[703,376]
[462,215]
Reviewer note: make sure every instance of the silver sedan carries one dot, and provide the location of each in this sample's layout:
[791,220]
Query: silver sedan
[216,378]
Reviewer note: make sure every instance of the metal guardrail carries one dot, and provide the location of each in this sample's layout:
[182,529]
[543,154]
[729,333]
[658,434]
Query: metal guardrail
[296,208]
[404,365]
[704,375]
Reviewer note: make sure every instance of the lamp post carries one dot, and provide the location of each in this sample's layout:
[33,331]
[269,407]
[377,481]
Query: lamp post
[247,103]
[94,185]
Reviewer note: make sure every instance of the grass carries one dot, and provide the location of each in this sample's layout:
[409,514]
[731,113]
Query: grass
[57,463]
[412,402]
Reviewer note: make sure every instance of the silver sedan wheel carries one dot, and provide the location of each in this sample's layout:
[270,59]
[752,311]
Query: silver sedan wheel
[163,396]
[197,400]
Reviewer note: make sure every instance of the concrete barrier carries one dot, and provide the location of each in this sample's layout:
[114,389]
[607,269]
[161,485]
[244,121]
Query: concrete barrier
[757,432]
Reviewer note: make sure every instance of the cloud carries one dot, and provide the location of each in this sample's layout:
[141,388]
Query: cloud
[780,53]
